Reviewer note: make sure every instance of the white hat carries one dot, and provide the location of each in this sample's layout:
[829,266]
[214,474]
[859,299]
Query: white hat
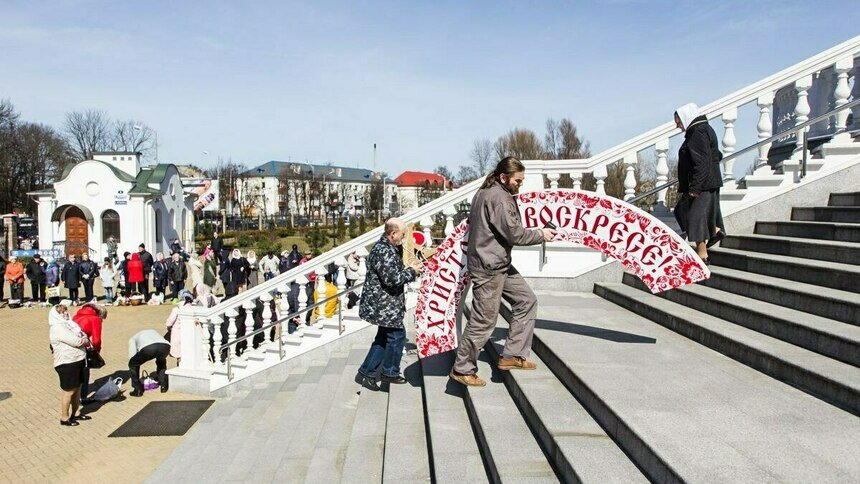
[66,302]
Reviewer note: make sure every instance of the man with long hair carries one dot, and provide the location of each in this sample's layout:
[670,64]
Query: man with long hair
[494,229]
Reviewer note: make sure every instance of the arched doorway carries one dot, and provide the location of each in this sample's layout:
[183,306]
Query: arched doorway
[77,231]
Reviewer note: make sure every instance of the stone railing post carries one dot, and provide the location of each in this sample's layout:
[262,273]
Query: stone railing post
[600,177]
[302,281]
[341,274]
[449,212]
[553,179]
[630,160]
[729,142]
[801,112]
[577,180]
[765,129]
[193,357]
[841,93]
[267,314]
[362,266]
[249,307]
[426,225]
[232,329]
[662,168]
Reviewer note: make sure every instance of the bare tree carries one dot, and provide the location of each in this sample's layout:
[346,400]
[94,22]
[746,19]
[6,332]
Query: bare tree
[482,156]
[445,172]
[562,142]
[522,143]
[134,136]
[88,131]
[466,174]
[227,173]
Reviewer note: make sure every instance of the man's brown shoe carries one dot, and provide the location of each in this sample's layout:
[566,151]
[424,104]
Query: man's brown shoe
[516,363]
[468,380]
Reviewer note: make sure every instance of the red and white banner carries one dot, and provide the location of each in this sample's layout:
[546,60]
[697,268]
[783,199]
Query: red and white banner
[442,285]
[642,243]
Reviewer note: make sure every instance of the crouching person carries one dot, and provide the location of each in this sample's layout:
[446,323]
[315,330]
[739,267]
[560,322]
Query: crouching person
[147,345]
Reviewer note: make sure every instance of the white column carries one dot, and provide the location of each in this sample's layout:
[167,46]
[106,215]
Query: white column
[266,298]
[842,92]
[729,142]
[600,177]
[426,224]
[284,301]
[248,306]
[232,329]
[341,274]
[855,94]
[449,212]
[577,180]
[302,281]
[662,149]
[553,179]
[630,160]
[801,111]
[765,130]
[362,265]
[192,357]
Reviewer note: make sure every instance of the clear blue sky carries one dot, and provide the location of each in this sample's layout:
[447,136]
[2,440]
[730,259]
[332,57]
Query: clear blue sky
[323,81]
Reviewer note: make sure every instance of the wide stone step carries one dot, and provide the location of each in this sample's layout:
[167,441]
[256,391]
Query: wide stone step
[326,464]
[823,301]
[832,381]
[833,251]
[454,451]
[406,456]
[364,456]
[851,199]
[824,336]
[579,448]
[845,277]
[811,230]
[511,452]
[685,413]
[826,214]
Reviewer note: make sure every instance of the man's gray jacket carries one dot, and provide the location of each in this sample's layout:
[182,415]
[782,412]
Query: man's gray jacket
[494,229]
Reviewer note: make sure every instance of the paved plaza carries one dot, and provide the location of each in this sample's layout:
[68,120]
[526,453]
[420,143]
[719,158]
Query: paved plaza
[33,446]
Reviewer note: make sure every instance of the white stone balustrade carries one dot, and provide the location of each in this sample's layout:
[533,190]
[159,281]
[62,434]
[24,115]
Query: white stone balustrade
[729,142]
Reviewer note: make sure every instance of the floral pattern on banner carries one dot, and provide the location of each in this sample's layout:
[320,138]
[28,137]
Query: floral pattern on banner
[442,285]
[642,243]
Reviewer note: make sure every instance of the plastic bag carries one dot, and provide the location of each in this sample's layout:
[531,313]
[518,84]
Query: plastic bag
[109,390]
[148,382]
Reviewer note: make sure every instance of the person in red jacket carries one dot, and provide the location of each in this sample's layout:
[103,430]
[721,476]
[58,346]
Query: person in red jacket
[90,318]
[135,273]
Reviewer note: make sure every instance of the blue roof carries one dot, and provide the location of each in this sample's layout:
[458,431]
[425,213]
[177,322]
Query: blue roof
[347,174]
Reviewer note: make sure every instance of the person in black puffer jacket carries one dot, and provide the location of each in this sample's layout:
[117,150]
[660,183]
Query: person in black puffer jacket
[699,178]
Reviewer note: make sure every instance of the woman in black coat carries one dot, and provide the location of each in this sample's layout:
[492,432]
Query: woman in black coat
[699,178]
[71,277]
[238,270]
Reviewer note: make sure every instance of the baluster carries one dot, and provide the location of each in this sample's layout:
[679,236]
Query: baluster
[662,169]
[630,161]
[426,224]
[600,177]
[553,179]
[855,94]
[729,141]
[843,67]
[320,291]
[204,335]
[765,128]
[302,281]
[362,265]
[231,314]
[341,274]
[577,180]
[220,335]
[248,306]
[266,298]
[801,111]
[449,212]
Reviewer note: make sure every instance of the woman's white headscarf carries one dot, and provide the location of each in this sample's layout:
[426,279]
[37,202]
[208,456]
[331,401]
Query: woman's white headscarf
[237,254]
[687,113]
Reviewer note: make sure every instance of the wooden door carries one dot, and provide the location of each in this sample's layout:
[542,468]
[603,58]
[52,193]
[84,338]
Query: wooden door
[77,232]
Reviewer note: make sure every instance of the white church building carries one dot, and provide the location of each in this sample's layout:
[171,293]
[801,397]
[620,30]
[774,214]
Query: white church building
[112,195]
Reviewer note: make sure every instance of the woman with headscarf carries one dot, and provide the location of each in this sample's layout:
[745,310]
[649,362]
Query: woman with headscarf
[253,265]
[195,270]
[238,270]
[68,345]
[699,178]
